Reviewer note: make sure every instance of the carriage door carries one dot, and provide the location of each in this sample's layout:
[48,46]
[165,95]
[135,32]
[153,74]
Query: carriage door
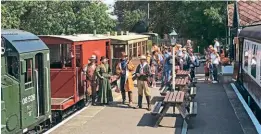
[79,74]
[39,76]
[108,51]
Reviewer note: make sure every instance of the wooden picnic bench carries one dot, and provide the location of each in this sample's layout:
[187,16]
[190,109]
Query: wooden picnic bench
[182,73]
[173,99]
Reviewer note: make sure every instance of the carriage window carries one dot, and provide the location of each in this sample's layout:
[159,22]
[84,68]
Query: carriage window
[60,54]
[28,74]
[13,66]
[135,50]
[144,47]
[78,52]
[117,49]
[130,50]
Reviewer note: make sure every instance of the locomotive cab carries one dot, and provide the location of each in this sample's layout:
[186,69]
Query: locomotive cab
[25,82]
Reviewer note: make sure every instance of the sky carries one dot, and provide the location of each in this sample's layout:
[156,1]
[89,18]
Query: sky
[110,3]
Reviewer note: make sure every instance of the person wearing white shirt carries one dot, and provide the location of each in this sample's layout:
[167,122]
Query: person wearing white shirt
[217,45]
[215,59]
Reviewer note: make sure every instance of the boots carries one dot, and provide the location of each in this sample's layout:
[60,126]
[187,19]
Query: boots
[148,102]
[139,102]
[93,100]
[130,98]
[123,94]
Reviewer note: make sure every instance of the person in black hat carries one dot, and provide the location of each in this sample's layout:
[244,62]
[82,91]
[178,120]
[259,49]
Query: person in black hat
[103,72]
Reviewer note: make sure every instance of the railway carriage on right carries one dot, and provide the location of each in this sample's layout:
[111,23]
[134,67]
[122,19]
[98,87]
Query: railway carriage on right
[249,73]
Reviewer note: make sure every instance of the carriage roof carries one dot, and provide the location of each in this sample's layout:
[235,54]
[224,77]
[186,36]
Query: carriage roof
[78,37]
[253,32]
[23,41]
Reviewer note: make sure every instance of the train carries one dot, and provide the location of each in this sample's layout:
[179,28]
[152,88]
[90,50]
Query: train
[248,60]
[42,78]
[25,83]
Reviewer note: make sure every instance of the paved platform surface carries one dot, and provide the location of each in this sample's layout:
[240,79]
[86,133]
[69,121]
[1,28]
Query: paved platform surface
[219,112]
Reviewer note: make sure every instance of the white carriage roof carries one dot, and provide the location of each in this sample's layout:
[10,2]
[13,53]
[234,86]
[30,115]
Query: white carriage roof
[78,37]
[128,37]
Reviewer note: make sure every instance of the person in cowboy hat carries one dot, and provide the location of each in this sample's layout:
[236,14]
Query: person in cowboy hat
[91,78]
[124,70]
[103,73]
[143,73]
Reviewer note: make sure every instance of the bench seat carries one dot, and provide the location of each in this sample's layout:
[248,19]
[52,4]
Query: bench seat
[157,107]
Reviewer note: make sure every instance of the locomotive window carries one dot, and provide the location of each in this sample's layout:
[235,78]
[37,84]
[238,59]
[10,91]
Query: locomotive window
[13,66]
[28,74]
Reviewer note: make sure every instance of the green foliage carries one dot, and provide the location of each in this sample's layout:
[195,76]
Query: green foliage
[56,17]
[131,18]
[201,21]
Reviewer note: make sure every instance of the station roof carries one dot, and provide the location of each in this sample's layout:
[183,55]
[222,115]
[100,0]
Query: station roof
[78,37]
[249,13]
[23,41]
[253,32]
[128,37]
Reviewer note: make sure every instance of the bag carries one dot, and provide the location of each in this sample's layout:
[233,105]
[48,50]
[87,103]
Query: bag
[196,62]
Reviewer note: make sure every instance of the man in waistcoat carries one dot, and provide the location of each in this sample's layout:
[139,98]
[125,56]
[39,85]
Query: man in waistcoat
[143,73]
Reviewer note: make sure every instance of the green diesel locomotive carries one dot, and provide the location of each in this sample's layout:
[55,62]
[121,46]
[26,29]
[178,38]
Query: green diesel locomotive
[25,83]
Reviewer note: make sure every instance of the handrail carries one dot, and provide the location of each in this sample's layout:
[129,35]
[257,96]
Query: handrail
[37,89]
[47,87]
[77,82]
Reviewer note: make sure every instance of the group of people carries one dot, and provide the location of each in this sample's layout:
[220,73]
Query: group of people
[98,79]
[153,66]
[212,61]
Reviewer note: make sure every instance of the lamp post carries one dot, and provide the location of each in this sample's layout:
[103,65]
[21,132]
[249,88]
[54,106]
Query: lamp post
[198,49]
[173,36]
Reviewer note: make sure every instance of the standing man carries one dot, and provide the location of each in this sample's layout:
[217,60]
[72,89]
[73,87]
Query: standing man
[143,73]
[89,70]
[217,45]
[124,69]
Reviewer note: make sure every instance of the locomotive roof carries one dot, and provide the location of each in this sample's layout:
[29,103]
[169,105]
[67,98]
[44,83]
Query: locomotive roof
[78,37]
[253,32]
[23,41]
[128,37]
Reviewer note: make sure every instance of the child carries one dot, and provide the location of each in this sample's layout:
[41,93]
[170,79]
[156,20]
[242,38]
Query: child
[206,69]
[153,75]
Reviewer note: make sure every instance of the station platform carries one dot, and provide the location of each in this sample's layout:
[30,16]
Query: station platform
[219,112]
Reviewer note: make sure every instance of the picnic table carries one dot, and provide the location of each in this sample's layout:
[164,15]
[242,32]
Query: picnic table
[182,73]
[174,99]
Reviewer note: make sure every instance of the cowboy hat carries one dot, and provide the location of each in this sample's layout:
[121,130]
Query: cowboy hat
[93,57]
[103,58]
[143,57]
[123,54]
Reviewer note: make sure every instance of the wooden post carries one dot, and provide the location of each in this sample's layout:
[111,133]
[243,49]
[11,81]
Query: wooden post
[173,69]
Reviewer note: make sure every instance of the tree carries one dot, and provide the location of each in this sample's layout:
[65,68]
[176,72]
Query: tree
[201,21]
[56,17]
[130,18]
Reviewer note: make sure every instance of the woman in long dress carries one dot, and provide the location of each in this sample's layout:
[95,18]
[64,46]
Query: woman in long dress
[103,72]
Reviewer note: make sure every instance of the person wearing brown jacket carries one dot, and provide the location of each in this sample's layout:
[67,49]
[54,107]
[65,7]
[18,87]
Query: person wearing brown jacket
[124,70]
